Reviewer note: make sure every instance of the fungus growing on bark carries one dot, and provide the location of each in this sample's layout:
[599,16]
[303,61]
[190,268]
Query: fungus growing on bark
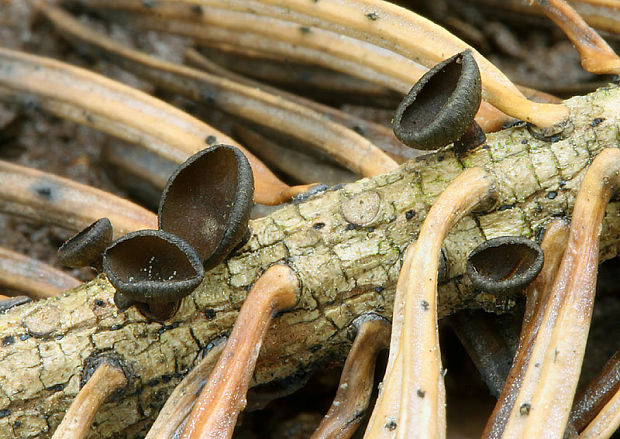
[207,202]
[505,264]
[441,106]
[106,379]
[153,268]
[85,249]
[356,380]
[223,397]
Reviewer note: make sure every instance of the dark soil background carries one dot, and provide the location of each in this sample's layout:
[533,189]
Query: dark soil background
[528,48]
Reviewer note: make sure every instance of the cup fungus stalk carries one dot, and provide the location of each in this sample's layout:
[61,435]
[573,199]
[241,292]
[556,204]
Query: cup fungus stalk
[215,413]
[542,407]
[106,379]
[356,382]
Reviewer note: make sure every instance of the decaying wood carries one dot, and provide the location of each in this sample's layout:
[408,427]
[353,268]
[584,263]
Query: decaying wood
[345,245]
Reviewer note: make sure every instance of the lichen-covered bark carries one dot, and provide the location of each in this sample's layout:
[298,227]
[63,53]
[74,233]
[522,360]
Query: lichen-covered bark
[346,247]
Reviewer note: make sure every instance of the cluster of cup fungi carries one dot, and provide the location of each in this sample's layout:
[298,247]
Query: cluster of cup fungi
[201,221]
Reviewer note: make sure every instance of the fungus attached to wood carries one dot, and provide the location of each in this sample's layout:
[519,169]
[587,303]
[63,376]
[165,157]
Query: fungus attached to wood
[223,397]
[207,202]
[356,381]
[106,379]
[154,268]
[441,106]
[505,264]
[85,249]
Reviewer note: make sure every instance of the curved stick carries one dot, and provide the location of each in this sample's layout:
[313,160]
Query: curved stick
[93,100]
[278,113]
[356,381]
[215,413]
[545,398]
[606,422]
[34,278]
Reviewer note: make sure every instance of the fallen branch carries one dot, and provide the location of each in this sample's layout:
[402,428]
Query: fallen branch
[345,245]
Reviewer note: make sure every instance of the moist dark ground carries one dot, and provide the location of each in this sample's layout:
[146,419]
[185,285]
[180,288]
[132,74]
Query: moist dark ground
[531,51]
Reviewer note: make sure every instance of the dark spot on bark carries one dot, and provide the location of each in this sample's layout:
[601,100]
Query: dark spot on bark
[359,129]
[304,30]
[373,16]
[391,425]
[24,337]
[537,365]
[318,226]
[115,327]
[209,313]
[153,382]
[59,337]
[56,388]
[210,140]
[166,379]
[89,118]
[315,348]
[17,424]
[43,191]
[371,229]
[506,207]
[351,227]
[148,3]
[562,183]
[99,303]
[524,410]
[552,194]
[379,289]
[425,305]
[421,393]
[555,355]
[597,121]
[409,214]
[197,9]
[7,341]
[5,413]
[440,158]
[209,96]
[524,142]
[555,138]
[485,146]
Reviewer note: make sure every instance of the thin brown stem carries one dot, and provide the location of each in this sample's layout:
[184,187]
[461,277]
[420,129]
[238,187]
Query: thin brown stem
[352,150]
[56,200]
[123,112]
[356,381]
[596,55]
[545,397]
[596,394]
[35,278]
[288,159]
[606,422]
[105,381]
[379,134]
[215,413]
[180,402]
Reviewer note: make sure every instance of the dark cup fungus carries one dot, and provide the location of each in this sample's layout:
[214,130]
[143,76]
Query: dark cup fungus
[505,264]
[85,249]
[441,106]
[207,202]
[154,269]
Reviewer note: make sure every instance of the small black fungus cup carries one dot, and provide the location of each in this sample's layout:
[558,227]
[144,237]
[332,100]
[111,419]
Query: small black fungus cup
[86,248]
[207,202]
[152,266]
[505,264]
[441,106]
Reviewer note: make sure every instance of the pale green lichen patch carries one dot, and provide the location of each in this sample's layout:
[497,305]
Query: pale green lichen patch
[512,224]
[545,167]
[517,173]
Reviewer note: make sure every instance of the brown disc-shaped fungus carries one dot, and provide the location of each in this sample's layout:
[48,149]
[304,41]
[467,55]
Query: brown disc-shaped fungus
[207,202]
[85,249]
[155,268]
[441,106]
[505,264]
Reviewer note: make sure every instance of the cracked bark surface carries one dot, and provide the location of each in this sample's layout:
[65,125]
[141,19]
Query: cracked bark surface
[346,246]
